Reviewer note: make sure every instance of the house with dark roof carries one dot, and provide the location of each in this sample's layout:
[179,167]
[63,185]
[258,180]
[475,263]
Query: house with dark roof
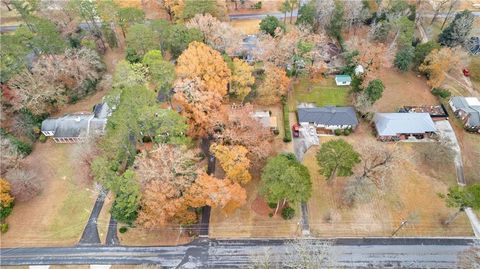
[77,127]
[400,126]
[468,110]
[327,119]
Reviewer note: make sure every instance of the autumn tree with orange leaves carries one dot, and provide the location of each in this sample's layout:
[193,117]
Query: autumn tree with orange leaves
[234,161]
[219,193]
[242,129]
[201,61]
[198,104]
[274,87]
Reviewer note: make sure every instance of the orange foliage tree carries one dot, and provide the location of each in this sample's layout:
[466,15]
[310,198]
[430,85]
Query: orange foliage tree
[198,104]
[5,198]
[201,61]
[222,193]
[242,129]
[234,161]
[274,86]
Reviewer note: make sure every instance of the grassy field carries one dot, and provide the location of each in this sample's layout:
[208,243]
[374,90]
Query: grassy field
[248,27]
[59,214]
[474,68]
[413,191]
[321,93]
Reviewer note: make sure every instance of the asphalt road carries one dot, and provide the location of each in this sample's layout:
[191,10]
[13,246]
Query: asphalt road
[205,253]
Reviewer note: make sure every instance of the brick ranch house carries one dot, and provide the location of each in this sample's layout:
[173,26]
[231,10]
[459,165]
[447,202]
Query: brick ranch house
[468,110]
[327,119]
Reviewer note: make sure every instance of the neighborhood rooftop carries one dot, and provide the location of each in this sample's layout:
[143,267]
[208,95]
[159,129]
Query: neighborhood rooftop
[471,106]
[328,115]
[392,124]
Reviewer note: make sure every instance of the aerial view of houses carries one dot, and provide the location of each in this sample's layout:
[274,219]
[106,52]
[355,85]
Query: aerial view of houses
[240,134]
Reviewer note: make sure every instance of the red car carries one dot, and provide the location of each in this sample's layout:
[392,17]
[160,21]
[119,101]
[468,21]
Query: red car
[296,130]
[466,72]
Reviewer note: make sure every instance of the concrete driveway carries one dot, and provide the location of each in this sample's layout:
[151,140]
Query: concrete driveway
[447,134]
[308,137]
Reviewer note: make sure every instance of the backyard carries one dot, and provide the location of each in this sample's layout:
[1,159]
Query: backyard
[320,92]
[413,190]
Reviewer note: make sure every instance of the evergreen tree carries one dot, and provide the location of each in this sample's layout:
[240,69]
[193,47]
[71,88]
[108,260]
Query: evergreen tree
[458,30]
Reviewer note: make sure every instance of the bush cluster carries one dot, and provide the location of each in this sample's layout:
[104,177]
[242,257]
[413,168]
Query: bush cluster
[442,93]
[288,213]
[345,132]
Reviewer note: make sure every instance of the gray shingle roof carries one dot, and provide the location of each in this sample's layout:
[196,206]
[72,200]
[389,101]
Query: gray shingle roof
[78,124]
[461,102]
[328,115]
[392,124]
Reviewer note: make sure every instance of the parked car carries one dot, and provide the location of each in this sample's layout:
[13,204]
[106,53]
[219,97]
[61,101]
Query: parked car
[296,130]
[466,72]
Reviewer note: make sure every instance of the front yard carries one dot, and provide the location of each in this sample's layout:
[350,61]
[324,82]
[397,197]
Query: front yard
[321,93]
[413,190]
[59,214]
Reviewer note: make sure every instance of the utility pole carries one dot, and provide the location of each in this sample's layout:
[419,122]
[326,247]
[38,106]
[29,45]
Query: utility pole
[400,227]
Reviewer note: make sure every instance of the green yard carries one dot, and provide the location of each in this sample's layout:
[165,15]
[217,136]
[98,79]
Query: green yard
[321,93]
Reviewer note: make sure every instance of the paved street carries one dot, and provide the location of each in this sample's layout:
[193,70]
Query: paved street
[205,253]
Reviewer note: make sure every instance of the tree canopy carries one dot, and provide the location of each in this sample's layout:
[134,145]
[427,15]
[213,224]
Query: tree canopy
[337,157]
[458,30]
[374,90]
[270,24]
[284,178]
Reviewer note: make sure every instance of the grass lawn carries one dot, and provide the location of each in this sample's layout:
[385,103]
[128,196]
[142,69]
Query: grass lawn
[413,190]
[59,214]
[248,27]
[474,68]
[252,219]
[321,93]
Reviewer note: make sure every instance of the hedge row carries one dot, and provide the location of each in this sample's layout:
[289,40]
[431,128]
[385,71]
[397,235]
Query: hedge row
[286,123]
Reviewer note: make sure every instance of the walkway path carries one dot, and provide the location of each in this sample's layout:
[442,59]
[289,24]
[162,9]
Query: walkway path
[90,233]
[112,237]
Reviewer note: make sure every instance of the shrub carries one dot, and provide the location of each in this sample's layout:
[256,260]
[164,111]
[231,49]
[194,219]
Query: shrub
[276,132]
[272,205]
[347,132]
[4,228]
[288,213]
[442,93]
[25,184]
[270,214]
[42,138]
[123,229]
[338,132]
[286,123]
[257,5]
[5,211]
[22,147]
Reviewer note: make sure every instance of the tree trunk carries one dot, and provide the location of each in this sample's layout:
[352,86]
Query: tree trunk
[453,217]
[284,202]
[448,14]
[434,16]
[7,5]
[291,14]
[285,17]
[276,209]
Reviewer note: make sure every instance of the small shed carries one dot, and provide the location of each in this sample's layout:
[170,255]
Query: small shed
[343,80]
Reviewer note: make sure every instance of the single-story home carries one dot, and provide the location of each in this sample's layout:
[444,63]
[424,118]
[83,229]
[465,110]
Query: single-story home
[77,127]
[343,80]
[327,119]
[400,126]
[266,119]
[468,110]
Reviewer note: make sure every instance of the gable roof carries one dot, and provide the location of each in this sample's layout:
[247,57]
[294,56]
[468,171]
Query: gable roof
[391,124]
[343,78]
[78,124]
[328,115]
[470,105]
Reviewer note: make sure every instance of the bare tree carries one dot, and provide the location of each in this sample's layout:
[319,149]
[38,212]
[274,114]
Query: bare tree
[377,163]
[9,155]
[324,12]
[437,7]
[84,153]
[470,258]
[25,184]
[453,3]
[305,253]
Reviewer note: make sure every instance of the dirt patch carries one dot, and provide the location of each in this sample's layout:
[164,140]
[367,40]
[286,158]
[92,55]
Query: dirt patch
[403,89]
[260,206]
[247,27]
